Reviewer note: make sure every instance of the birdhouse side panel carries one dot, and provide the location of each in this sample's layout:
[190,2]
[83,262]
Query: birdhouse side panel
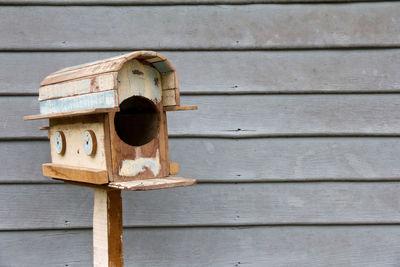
[84,142]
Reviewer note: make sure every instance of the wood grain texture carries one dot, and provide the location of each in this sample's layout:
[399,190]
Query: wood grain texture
[277,115]
[38,206]
[251,116]
[135,78]
[107,228]
[73,129]
[139,162]
[180,108]
[102,100]
[358,246]
[183,27]
[102,82]
[199,72]
[70,114]
[271,159]
[152,184]
[72,173]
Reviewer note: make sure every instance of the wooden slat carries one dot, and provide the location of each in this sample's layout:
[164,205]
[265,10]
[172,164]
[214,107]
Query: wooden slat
[80,174]
[39,206]
[251,115]
[98,83]
[71,113]
[101,100]
[271,159]
[358,246]
[180,108]
[254,26]
[159,2]
[277,115]
[282,71]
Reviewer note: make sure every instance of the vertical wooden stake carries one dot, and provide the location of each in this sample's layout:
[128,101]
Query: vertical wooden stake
[107,228]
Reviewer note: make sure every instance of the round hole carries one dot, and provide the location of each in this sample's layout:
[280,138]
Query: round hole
[137,121]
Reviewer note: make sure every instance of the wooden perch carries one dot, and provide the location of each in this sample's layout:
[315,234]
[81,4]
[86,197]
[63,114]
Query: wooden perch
[179,108]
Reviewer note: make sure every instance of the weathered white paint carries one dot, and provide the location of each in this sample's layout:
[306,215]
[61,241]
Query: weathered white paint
[168,97]
[74,154]
[95,100]
[100,83]
[100,231]
[134,167]
[137,79]
[64,89]
[106,82]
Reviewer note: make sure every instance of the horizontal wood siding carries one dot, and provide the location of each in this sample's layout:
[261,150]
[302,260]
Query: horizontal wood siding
[183,27]
[314,71]
[214,246]
[215,205]
[246,160]
[250,115]
[295,144]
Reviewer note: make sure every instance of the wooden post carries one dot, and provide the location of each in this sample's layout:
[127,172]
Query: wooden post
[107,228]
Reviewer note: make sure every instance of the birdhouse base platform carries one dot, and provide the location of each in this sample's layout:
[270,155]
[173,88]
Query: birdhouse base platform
[152,184]
[140,185]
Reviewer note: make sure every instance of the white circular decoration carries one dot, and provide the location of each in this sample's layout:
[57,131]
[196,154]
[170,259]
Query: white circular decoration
[89,142]
[59,142]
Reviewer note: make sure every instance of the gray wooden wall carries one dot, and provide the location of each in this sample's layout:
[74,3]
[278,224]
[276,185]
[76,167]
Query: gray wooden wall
[295,143]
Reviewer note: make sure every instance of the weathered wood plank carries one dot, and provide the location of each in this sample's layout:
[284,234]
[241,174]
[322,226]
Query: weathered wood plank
[80,112]
[80,174]
[199,72]
[183,27]
[288,115]
[106,99]
[107,228]
[159,2]
[102,82]
[250,115]
[271,159]
[74,154]
[153,184]
[39,206]
[251,246]
[180,108]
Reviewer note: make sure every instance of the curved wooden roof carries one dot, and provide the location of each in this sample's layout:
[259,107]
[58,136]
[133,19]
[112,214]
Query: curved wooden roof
[113,64]
[66,92]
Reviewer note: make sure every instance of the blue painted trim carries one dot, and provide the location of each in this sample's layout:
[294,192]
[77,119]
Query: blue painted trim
[104,99]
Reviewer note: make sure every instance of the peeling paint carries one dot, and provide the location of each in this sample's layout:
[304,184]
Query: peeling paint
[137,72]
[133,167]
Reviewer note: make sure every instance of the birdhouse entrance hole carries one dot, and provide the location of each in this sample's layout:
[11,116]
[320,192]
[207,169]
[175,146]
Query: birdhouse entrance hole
[138,121]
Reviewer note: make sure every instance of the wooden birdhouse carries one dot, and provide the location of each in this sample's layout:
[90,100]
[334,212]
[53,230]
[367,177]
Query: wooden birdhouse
[108,123]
